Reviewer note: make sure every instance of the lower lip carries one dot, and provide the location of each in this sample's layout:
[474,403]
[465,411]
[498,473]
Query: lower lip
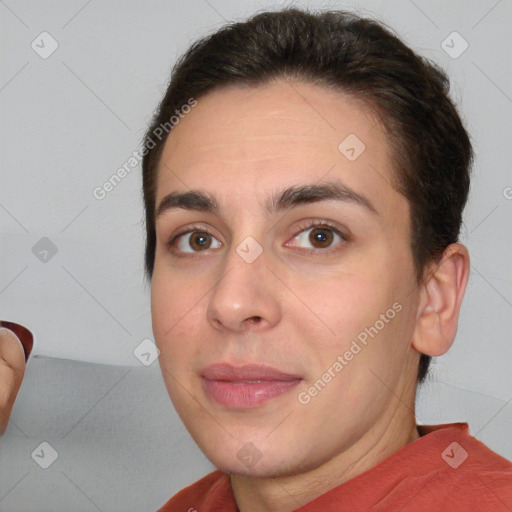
[246,395]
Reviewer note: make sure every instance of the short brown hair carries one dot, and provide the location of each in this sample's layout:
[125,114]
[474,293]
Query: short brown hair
[432,153]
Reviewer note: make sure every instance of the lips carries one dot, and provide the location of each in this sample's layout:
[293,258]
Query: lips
[245,386]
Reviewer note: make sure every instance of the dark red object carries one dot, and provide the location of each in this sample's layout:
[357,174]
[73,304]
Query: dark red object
[25,336]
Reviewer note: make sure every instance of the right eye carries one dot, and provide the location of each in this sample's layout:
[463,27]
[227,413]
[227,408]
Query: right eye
[193,241]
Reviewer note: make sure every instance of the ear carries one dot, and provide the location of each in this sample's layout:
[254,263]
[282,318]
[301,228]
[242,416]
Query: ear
[441,295]
[12,370]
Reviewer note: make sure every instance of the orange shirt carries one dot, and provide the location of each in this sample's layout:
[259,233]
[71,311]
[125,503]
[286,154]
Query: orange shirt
[446,470]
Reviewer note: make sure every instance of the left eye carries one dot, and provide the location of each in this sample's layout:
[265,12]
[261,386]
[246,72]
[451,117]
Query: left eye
[319,237]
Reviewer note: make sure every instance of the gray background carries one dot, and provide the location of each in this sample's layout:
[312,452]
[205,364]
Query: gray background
[69,121]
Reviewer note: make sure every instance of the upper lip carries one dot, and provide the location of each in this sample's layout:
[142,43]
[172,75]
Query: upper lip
[247,372]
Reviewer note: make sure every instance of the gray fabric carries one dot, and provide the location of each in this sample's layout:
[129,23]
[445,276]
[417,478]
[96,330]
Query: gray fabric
[120,445]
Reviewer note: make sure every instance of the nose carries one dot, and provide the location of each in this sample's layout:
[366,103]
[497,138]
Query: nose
[246,296]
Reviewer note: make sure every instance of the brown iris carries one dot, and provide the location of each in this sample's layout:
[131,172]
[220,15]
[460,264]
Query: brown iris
[321,236]
[200,240]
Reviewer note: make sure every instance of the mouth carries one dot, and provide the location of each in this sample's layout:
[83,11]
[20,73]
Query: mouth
[246,386]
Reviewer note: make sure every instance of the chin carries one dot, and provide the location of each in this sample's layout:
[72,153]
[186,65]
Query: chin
[257,471]
[272,466]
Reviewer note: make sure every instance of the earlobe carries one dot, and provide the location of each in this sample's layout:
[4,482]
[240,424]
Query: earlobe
[441,296]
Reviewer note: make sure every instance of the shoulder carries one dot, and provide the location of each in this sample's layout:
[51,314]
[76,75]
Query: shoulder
[471,476]
[210,493]
[493,470]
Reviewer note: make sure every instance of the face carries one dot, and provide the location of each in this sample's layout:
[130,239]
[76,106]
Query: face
[283,293]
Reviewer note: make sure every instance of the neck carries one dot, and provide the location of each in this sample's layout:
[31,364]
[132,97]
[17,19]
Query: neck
[290,492]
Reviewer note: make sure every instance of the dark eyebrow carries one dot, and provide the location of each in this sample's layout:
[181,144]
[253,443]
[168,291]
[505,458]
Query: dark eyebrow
[305,194]
[285,200]
[193,200]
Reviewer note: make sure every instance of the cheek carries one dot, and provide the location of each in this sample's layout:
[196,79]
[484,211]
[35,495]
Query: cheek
[175,307]
[175,320]
[360,317]
[344,306]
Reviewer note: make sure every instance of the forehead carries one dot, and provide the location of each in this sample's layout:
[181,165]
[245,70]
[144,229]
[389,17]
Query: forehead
[240,143]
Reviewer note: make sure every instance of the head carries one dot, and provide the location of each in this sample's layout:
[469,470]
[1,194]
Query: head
[337,150]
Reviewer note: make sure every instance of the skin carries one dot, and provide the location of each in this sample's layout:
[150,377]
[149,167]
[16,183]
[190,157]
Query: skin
[242,145]
[12,370]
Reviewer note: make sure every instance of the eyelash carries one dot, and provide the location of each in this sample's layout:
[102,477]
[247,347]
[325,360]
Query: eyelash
[305,227]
